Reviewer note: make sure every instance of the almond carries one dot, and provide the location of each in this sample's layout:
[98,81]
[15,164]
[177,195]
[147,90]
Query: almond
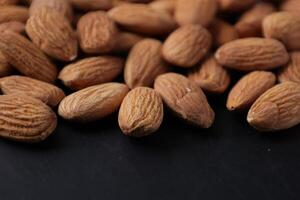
[97,32]
[58,40]
[235,5]
[186,46]
[211,76]
[5,68]
[90,5]
[26,57]
[141,112]
[126,41]
[91,71]
[185,98]
[291,72]
[248,89]
[25,119]
[13,13]
[290,6]
[15,26]
[22,85]
[252,54]
[163,5]
[277,109]
[8,2]
[93,103]
[144,64]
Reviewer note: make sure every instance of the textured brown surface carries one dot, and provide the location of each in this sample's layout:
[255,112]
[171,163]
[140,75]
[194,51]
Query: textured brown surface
[235,5]
[290,6]
[13,13]
[291,72]
[89,5]
[14,26]
[5,68]
[8,2]
[163,5]
[125,41]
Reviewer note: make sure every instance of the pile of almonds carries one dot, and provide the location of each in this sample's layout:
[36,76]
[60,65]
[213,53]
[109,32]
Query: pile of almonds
[86,45]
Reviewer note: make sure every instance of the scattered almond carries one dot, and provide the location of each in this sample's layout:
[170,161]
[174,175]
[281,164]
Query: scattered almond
[15,26]
[163,5]
[291,72]
[8,2]
[13,13]
[90,5]
[290,6]
[235,5]
[126,41]
[5,68]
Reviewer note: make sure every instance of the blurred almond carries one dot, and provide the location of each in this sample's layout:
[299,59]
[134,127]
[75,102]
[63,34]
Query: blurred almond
[90,5]
[8,2]
[291,72]
[5,68]
[163,5]
[13,13]
[14,26]
[290,6]
[235,5]
[126,41]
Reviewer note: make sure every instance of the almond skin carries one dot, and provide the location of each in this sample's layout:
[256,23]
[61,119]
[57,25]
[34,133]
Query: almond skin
[25,119]
[13,13]
[210,76]
[126,41]
[93,103]
[235,5]
[97,32]
[291,72]
[15,26]
[91,71]
[141,112]
[283,26]
[252,54]
[47,93]
[26,57]
[144,64]
[248,89]
[186,46]
[195,11]
[277,109]
[8,2]
[5,68]
[185,98]
[90,5]
[290,6]
[58,40]
[163,5]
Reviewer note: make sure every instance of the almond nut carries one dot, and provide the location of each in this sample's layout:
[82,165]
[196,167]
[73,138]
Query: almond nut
[291,72]
[13,13]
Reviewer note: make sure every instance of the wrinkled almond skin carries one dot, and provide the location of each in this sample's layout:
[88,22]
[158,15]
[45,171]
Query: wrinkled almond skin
[13,13]
[277,109]
[93,103]
[163,5]
[250,54]
[141,112]
[210,76]
[47,93]
[26,57]
[186,46]
[185,98]
[97,32]
[283,26]
[8,2]
[58,40]
[91,71]
[290,6]
[25,119]
[195,11]
[291,72]
[144,64]
[5,68]
[143,19]
[248,89]
[235,5]
[90,5]
[14,26]
[126,41]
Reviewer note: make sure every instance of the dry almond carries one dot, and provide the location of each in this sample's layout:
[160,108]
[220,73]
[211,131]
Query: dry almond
[91,71]
[290,6]
[195,11]
[90,5]
[15,26]
[211,76]
[22,85]
[13,13]
[144,64]
[143,19]
[235,5]
[185,98]
[291,72]
[141,112]
[97,32]
[248,89]
[58,40]
[163,5]
[26,57]
[126,41]
[186,46]
[277,109]
[93,103]
[8,2]
[5,68]
[250,54]
[25,119]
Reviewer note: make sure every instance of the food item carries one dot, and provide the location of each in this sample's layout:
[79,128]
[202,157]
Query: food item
[126,41]
[5,68]
[163,5]
[8,2]
[13,13]
[89,5]
[291,72]
[14,26]
[235,5]
[290,6]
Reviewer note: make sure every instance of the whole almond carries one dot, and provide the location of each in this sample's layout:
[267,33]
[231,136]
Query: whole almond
[291,72]
[90,5]
[8,2]
[186,46]
[235,5]
[277,109]
[126,41]
[97,32]
[5,68]
[163,5]
[22,85]
[25,119]
[248,89]
[143,19]
[211,76]
[252,54]
[93,103]
[141,112]
[58,40]
[185,98]
[195,11]
[13,13]
[91,71]
[15,26]
[26,57]
[290,6]
[144,64]
[285,27]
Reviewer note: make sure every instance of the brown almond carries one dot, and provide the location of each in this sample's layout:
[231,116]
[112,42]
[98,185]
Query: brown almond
[13,13]
[91,71]
[8,2]
[277,109]
[141,112]
[235,5]
[93,103]
[15,26]
[26,57]
[25,119]
[163,5]
[144,64]
[185,98]
[291,72]
[248,89]
[45,92]
[186,46]
[90,5]
[126,41]
[5,68]
[250,54]
[290,6]
[210,76]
